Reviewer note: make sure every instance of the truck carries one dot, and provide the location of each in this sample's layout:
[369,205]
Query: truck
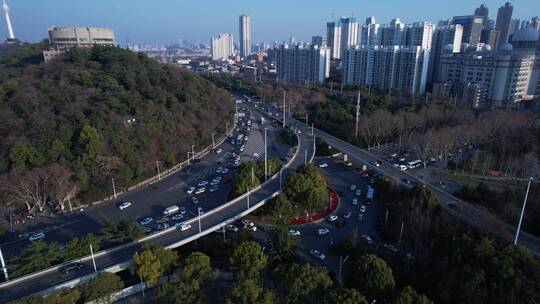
[262,120]
[369,194]
[172,210]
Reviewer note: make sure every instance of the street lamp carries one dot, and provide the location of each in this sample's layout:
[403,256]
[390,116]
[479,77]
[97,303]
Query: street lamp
[265,157]
[113,187]
[192,152]
[158,173]
[3,264]
[93,259]
[341,262]
[199,218]
[523,210]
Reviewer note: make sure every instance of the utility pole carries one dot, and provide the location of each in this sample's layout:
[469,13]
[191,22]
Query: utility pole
[3,264]
[280,178]
[188,158]
[93,259]
[386,218]
[523,211]
[158,173]
[199,218]
[249,189]
[226,128]
[192,152]
[357,113]
[341,262]
[113,187]
[213,142]
[265,157]
[305,157]
[401,233]
[70,207]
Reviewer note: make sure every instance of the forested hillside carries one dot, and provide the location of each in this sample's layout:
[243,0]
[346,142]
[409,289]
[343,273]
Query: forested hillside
[73,124]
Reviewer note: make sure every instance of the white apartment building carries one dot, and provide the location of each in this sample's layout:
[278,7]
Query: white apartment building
[349,34]
[245,35]
[387,67]
[222,46]
[333,38]
[303,65]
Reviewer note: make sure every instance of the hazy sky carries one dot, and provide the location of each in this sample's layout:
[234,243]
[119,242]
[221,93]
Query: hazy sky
[166,21]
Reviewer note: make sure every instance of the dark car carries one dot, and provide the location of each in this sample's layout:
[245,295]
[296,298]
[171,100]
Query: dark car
[71,268]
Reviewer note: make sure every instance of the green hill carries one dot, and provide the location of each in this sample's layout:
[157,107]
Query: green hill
[98,114]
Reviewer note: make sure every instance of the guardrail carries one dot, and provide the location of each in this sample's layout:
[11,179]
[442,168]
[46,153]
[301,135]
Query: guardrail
[126,264]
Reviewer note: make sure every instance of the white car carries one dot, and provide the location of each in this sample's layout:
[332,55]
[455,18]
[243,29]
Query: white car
[323,231]
[367,238]
[358,192]
[214,183]
[255,154]
[184,227]
[202,183]
[247,223]
[146,221]
[376,163]
[252,228]
[333,218]
[317,254]
[124,205]
[363,209]
[360,216]
[190,190]
[36,236]
[299,132]
[177,217]
[353,187]
[294,232]
[231,227]
[402,167]
[347,215]
[218,151]
[355,201]
[323,165]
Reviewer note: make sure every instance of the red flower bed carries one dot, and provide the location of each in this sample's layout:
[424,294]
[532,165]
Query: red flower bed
[308,218]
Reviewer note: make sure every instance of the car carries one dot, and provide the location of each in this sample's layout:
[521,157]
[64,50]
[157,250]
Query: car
[396,165]
[317,254]
[363,208]
[183,210]
[147,230]
[236,163]
[190,190]
[367,238]
[202,183]
[36,236]
[177,217]
[353,187]
[124,205]
[225,171]
[71,268]
[219,169]
[247,223]
[393,155]
[323,231]
[333,218]
[146,221]
[163,219]
[218,151]
[372,181]
[360,216]
[390,247]
[299,132]
[214,182]
[376,163]
[200,190]
[323,165]
[365,175]
[402,167]
[183,227]
[163,226]
[252,228]
[214,188]
[355,201]
[241,149]
[358,192]
[294,232]
[231,227]
[255,154]
[347,215]
[195,200]
[349,164]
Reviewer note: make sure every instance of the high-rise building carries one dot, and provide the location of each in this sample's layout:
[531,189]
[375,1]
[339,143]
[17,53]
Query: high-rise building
[445,39]
[514,26]
[333,38]
[419,34]
[387,67]
[222,46]
[482,11]
[5,10]
[349,33]
[490,37]
[472,28]
[535,23]
[245,36]
[319,41]
[370,32]
[494,79]
[392,34]
[504,17]
[302,65]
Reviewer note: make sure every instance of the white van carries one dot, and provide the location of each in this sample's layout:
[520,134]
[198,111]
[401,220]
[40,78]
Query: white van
[171,210]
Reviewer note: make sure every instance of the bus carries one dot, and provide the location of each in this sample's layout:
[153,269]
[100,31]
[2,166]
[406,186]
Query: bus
[369,194]
[414,164]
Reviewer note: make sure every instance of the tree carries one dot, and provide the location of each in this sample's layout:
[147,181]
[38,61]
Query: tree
[303,283]
[345,296]
[148,266]
[167,257]
[101,287]
[281,209]
[70,297]
[23,155]
[181,292]
[36,256]
[77,248]
[248,260]
[409,296]
[121,231]
[371,276]
[281,244]
[196,267]
[247,292]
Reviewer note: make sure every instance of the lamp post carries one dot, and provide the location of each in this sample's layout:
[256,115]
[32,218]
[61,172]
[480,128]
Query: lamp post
[341,262]
[522,211]
[3,264]
[265,157]
[113,187]
[192,152]
[199,218]
[158,173]
[93,259]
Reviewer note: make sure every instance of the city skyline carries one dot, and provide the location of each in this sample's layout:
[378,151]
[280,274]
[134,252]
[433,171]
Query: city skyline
[165,22]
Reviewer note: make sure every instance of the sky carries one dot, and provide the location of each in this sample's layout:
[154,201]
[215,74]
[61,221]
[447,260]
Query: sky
[167,21]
